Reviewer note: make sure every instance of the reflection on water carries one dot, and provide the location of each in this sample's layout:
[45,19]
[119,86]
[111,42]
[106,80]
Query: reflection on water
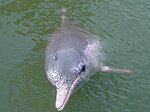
[124,28]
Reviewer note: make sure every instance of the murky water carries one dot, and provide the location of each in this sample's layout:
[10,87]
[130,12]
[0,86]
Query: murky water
[124,26]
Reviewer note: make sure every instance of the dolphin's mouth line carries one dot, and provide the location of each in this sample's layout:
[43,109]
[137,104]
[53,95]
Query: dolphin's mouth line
[69,93]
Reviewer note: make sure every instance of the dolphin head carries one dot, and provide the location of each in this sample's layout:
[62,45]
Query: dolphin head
[65,69]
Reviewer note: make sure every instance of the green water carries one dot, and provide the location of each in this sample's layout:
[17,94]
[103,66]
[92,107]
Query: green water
[124,26]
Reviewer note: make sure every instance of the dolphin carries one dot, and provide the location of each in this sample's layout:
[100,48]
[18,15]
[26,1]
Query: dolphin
[73,54]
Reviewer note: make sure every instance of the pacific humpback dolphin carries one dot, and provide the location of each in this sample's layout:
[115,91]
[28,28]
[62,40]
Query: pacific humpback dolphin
[73,55]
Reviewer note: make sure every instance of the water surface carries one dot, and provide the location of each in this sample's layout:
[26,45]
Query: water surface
[123,25]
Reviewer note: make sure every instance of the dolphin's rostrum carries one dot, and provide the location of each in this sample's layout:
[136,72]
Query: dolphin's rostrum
[73,54]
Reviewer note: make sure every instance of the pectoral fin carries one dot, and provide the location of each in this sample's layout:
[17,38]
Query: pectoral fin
[115,70]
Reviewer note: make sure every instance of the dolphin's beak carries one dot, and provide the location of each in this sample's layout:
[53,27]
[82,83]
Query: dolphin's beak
[63,95]
[62,98]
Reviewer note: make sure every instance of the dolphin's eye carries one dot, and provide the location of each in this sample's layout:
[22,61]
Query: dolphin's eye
[83,68]
[54,57]
[79,69]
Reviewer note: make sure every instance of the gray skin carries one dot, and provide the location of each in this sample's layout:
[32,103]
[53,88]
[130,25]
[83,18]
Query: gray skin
[72,56]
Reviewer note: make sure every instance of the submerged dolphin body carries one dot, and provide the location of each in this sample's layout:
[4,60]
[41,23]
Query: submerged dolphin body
[73,55]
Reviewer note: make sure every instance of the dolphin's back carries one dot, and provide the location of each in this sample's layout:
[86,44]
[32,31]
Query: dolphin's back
[67,37]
